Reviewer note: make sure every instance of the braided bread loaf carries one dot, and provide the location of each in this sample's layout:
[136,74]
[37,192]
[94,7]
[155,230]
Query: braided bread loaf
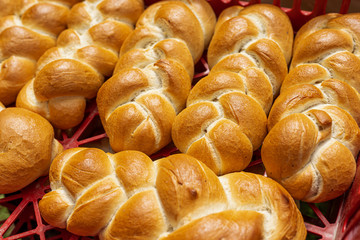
[27,147]
[314,124]
[27,29]
[152,78]
[128,196]
[73,71]
[225,119]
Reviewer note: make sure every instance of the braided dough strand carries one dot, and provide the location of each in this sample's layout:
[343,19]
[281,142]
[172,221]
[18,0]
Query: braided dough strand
[152,78]
[73,71]
[314,133]
[226,114]
[27,30]
[128,196]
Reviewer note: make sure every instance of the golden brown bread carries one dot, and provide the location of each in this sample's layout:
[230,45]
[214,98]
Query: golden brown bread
[27,29]
[152,78]
[128,196]
[226,114]
[27,147]
[314,133]
[73,71]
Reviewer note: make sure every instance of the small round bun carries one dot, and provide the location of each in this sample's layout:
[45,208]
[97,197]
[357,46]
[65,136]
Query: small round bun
[27,147]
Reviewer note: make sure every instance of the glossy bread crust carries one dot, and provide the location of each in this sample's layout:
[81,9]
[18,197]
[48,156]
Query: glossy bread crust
[27,147]
[314,133]
[85,54]
[153,75]
[226,114]
[27,29]
[128,196]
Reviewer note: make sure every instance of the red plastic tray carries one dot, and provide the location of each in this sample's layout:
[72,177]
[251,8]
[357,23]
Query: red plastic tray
[335,219]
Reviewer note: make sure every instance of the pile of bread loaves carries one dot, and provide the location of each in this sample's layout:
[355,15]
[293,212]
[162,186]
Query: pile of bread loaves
[139,64]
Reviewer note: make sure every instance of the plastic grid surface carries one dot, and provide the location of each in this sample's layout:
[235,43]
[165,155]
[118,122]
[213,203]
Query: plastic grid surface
[336,219]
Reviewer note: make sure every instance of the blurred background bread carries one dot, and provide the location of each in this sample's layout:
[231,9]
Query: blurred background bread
[73,71]
[226,114]
[128,196]
[27,29]
[152,78]
[27,147]
[314,133]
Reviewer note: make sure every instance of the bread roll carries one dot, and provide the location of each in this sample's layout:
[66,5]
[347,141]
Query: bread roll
[27,147]
[128,196]
[73,71]
[314,133]
[226,114]
[152,78]
[27,29]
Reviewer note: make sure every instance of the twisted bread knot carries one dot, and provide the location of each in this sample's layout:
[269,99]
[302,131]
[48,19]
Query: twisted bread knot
[27,147]
[225,119]
[314,124]
[27,30]
[73,71]
[153,76]
[128,196]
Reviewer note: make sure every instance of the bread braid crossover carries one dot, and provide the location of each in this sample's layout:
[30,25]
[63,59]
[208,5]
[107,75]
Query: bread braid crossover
[27,29]
[27,147]
[74,70]
[226,114]
[128,196]
[152,78]
[314,124]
